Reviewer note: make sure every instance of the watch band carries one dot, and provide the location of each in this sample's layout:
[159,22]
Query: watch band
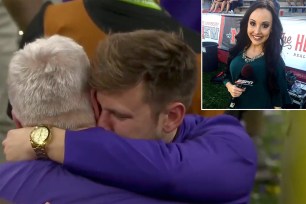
[41,152]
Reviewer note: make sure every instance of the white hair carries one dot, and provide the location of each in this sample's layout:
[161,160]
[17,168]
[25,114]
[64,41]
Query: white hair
[48,84]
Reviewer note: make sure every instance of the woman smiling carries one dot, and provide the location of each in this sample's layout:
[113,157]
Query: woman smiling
[259,45]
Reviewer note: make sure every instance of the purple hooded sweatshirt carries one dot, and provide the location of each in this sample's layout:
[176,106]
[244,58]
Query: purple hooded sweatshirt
[211,160]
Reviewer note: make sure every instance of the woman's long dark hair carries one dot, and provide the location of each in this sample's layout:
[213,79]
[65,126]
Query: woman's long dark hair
[272,47]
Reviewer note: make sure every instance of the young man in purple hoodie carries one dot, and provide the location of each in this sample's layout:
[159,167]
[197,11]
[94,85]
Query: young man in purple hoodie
[143,83]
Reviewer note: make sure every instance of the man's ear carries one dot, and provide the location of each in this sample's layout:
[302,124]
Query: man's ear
[95,104]
[15,119]
[175,113]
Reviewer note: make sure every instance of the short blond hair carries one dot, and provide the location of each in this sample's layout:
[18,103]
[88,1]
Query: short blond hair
[162,61]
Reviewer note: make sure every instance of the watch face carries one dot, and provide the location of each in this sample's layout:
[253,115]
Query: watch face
[40,135]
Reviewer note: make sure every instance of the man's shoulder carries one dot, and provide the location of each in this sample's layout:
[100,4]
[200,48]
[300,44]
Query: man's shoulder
[25,167]
[19,179]
[31,174]
[199,126]
[224,133]
[201,121]
[44,181]
[49,181]
[17,173]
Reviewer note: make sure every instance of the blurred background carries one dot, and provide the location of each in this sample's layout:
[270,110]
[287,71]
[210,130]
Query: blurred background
[8,44]
[281,145]
[268,130]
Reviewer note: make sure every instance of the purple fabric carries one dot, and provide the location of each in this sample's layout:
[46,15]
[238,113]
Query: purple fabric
[212,160]
[187,12]
[36,182]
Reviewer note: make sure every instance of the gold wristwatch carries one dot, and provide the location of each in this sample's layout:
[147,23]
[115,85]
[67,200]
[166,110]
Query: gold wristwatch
[39,138]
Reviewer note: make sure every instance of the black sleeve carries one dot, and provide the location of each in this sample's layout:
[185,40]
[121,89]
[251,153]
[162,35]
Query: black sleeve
[36,27]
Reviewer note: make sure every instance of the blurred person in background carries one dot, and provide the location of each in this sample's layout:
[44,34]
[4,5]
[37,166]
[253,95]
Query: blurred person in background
[8,44]
[215,4]
[22,12]
[295,4]
[229,6]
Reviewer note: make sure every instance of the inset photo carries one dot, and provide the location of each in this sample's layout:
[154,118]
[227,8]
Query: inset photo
[253,55]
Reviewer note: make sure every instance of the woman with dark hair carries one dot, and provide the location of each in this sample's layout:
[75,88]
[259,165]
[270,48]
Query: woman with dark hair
[259,46]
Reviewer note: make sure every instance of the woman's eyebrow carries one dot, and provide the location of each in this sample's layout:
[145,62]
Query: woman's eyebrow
[268,22]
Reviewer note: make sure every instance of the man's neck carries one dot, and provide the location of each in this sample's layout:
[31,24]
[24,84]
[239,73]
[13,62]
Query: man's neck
[170,137]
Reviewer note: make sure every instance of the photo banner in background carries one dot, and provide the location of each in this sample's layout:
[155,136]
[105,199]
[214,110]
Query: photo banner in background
[211,26]
[230,30]
[294,35]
